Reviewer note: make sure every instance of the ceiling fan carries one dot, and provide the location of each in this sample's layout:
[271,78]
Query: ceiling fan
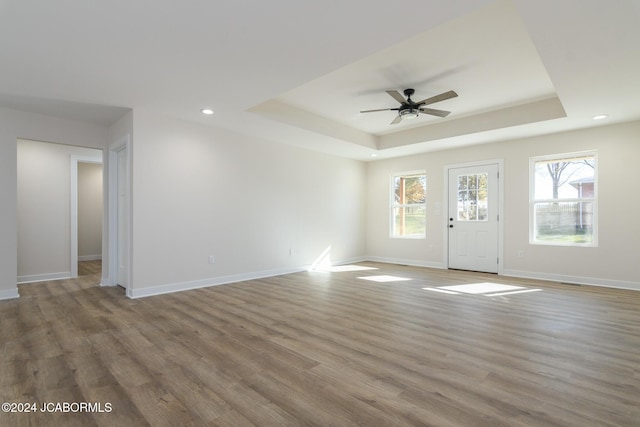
[410,109]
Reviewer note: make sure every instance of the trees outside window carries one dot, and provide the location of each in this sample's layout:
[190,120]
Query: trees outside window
[563,199]
[408,205]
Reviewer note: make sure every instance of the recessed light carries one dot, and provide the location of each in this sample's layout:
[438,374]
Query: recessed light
[600,117]
[374,155]
[207,111]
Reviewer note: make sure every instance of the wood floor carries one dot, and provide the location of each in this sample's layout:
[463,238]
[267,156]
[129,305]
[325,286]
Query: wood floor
[326,349]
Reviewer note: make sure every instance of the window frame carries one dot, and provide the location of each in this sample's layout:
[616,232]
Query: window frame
[393,205]
[533,201]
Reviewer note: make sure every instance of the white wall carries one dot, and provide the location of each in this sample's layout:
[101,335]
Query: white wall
[187,205]
[613,263]
[44,215]
[17,124]
[200,191]
[90,206]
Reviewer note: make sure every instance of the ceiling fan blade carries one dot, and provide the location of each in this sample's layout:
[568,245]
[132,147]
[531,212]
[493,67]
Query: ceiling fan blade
[443,96]
[397,120]
[397,96]
[434,112]
[381,109]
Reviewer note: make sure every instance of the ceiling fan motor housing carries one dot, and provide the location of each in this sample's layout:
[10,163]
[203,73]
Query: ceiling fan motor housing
[409,109]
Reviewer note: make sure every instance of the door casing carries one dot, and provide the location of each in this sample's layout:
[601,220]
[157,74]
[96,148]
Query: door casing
[113,196]
[445,222]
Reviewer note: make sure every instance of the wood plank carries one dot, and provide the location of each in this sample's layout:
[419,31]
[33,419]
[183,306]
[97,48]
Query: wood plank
[321,348]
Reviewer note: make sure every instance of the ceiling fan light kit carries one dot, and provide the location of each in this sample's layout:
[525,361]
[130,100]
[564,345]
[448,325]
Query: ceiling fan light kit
[409,113]
[410,109]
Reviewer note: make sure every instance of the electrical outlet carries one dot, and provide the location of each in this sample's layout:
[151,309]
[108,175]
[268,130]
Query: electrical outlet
[211,259]
[520,254]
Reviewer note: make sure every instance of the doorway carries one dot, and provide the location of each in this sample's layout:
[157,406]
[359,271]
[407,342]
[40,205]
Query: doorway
[47,223]
[473,229]
[86,210]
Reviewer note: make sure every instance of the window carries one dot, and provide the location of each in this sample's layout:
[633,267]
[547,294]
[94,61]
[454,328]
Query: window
[408,205]
[563,199]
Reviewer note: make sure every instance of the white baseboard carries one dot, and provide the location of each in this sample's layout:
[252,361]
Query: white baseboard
[9,294]
[89,258]
[400,261]
[224,280]
[351,260]
[563,278]
[44,277]
[214,281]
[578,280]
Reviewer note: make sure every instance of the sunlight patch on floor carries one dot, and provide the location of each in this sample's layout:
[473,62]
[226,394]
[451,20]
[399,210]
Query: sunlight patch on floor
[486,288]
[344,268]
[481,288]
[385,278]
[524,291]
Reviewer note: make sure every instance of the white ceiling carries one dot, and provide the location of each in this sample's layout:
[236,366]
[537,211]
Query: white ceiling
[299,72]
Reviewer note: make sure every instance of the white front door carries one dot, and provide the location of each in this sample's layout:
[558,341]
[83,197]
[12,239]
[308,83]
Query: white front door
[473,218]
